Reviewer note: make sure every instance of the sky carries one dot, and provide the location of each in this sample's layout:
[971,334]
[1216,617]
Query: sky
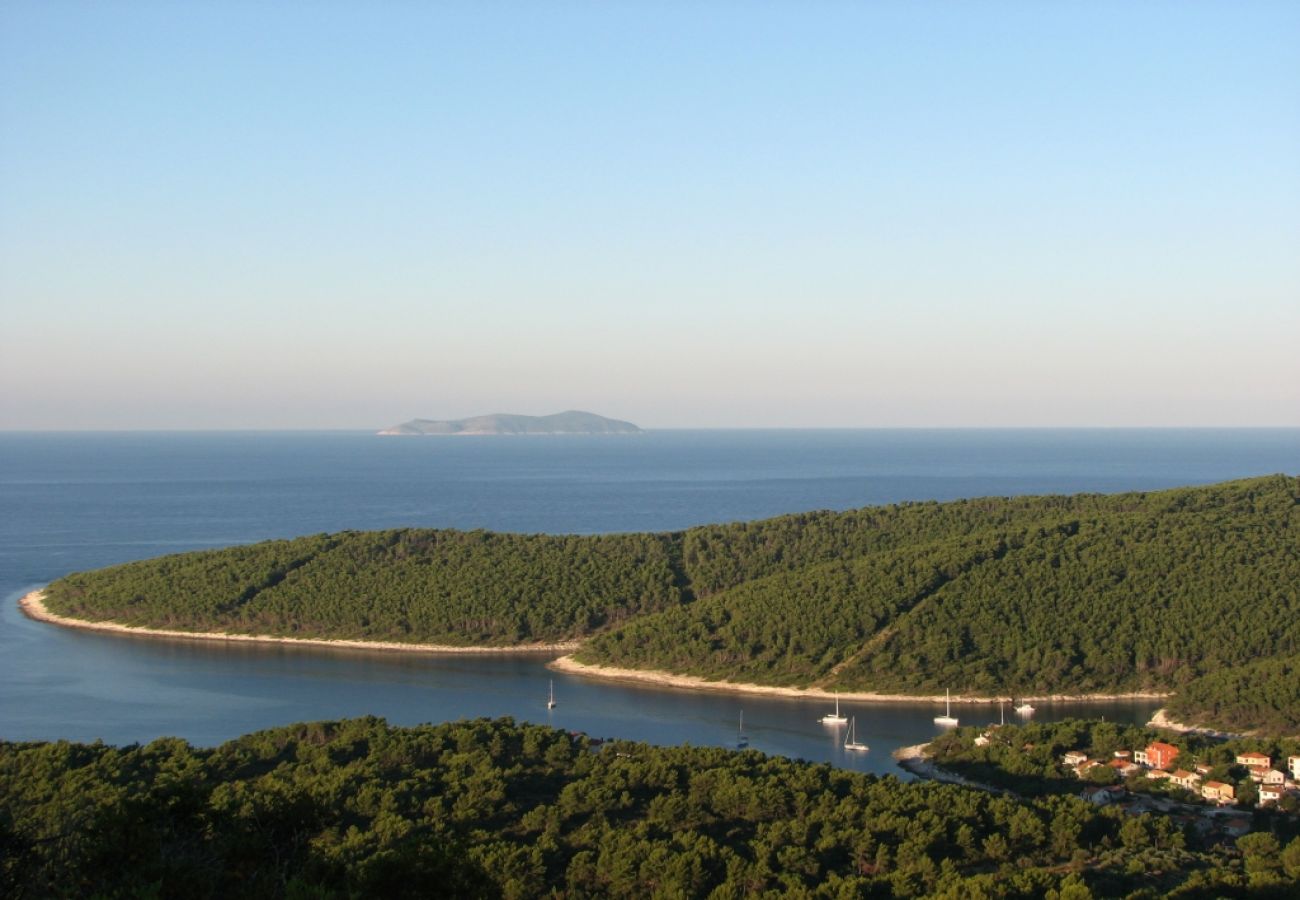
[875,214]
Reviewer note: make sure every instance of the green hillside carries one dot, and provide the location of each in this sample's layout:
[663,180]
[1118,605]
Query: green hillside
[1091,593]
[410,585]
[491,808]
[1129,592]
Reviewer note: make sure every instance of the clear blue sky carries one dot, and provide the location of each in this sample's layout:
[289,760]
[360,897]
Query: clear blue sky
[223,214]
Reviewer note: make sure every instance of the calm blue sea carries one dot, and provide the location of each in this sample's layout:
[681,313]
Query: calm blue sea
[77,501]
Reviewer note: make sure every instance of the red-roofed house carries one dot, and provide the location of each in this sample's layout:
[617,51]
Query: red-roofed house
[1254,759]
[1160,755]
[1124,767]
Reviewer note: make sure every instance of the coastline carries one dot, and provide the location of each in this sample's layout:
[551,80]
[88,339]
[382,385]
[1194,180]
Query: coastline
[1160,719]
[571,666]
[915,761]
[33,606]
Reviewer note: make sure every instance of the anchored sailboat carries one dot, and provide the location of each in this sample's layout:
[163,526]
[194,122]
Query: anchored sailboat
[742,739]
[946,720]
[550,704]
[834,718]
[850,741]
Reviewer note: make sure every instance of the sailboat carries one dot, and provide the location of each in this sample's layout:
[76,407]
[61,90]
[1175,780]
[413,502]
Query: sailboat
[834,718]
[550,704]
[1024,709]
[946,720]
[850,743]
[742,739]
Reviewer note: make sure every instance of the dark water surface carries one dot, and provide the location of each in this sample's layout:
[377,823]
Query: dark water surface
[78,501]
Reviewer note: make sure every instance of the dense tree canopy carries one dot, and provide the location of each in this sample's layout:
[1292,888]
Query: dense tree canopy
[484,808]
[1263,695]
[1029,595]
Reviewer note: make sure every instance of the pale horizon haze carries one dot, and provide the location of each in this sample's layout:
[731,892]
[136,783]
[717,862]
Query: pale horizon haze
[936,214]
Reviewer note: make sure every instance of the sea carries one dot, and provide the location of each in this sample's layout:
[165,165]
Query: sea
[81,500]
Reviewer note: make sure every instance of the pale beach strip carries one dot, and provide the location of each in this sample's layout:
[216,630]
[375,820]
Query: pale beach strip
[569,665]
[34,606]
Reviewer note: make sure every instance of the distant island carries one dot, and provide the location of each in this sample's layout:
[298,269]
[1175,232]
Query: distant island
[570,422]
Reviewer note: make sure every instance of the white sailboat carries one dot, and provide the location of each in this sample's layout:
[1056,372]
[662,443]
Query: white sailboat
[550,703]
[1024,709]
[742,739]
[834,718]
[946,720]
[850,742]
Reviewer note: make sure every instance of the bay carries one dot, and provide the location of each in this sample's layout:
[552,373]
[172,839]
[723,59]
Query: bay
[83,500]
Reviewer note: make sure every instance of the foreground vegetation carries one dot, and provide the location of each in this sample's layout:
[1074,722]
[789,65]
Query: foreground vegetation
[488,808]
[1195,589]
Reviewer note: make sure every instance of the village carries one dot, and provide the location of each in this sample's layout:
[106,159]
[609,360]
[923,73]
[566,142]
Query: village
[1262,783]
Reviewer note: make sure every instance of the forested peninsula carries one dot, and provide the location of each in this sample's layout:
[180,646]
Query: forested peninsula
[1194,591]
[493,808]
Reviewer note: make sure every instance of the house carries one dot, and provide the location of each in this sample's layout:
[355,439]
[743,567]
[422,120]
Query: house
[1236,826]
[1265,775]
[1124,767]
[1140,757]
[1269,795]
[1185,779]
[1083,768]
[1074,758]
[1102,794]
[1293,763]
[1157,774]
[1250,760]
[1123,754]
[1160,755]
[1219,792]
[1202,769]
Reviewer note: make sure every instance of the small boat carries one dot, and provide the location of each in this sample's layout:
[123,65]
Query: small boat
[946,720]
[834,718]
[850,743]
[550,704]
[1024,709]
[742,739]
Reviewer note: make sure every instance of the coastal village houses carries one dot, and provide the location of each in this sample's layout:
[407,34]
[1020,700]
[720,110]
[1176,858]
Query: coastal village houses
[1265,775]
[1219,792]
[1269,795]
[1155,761]
[1159,755]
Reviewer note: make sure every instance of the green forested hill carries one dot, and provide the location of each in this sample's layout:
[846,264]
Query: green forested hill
[1024,595]
[491,808]
[1118,593]
[406,585]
